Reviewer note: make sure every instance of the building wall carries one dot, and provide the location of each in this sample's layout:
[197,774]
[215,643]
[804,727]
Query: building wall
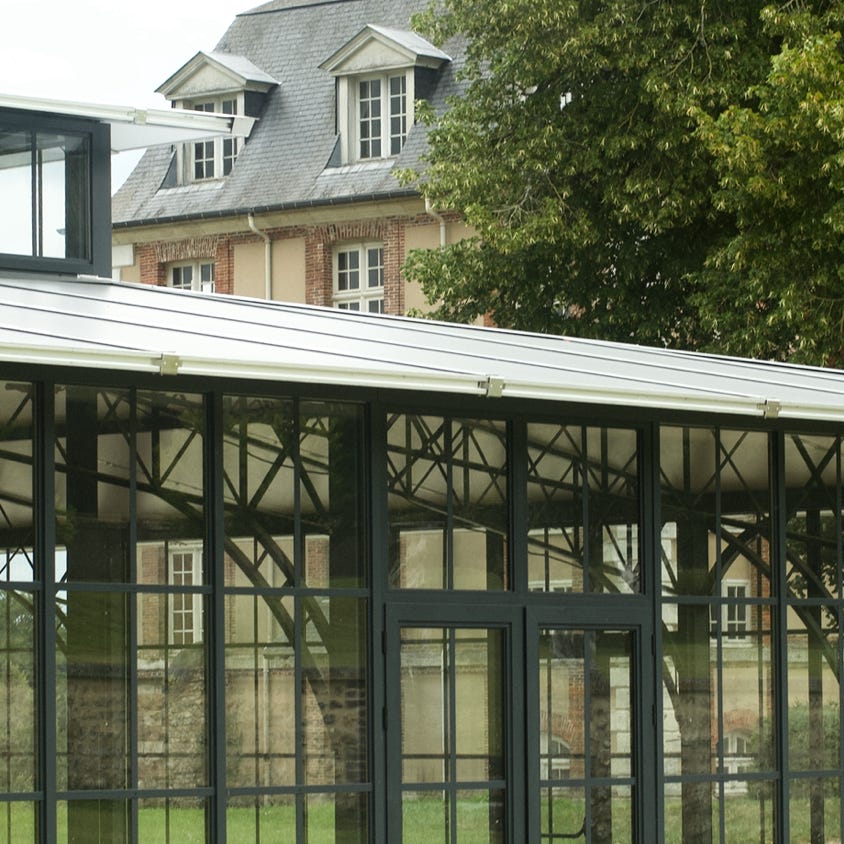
[302,252]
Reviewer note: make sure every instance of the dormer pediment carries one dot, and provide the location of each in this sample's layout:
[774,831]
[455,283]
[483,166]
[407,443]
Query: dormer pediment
[214,74]
[379,48]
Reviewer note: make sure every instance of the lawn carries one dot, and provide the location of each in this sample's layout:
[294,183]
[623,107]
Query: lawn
[746,822]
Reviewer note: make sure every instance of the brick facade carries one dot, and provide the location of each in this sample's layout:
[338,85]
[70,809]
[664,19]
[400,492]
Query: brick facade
[320,242]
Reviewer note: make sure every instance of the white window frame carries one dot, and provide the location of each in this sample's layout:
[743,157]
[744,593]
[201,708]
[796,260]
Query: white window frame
[184,568]
[197,275]
[735,617]
[395,115]
[218,154]
[353,287]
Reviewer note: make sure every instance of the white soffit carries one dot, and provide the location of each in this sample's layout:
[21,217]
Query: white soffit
[135,128]
[120,326]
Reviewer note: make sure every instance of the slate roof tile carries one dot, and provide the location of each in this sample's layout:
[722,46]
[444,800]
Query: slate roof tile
[284,163]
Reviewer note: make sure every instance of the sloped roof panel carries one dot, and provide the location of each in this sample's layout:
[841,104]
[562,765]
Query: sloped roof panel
[296,134]
[130,327]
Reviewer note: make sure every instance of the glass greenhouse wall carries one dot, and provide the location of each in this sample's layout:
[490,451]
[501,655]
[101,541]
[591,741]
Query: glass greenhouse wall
[266,615]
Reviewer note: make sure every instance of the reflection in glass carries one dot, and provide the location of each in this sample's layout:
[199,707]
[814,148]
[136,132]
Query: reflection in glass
[18,821]
[583,504]
[453,719]
[173,821]
[261,820]
[45,184]
[296,679]
[812,818]
[447,483]
[813,466]
[20,604]
[717,616]
[586,734]
[172,699]
[16,189]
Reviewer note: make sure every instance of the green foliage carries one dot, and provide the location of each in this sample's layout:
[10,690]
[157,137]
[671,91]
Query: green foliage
[665,172]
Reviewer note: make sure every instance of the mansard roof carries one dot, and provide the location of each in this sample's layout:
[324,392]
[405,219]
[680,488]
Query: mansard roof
[286,161]
[140,328]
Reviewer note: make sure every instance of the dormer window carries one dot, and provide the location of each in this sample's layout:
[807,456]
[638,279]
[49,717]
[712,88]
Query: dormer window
[382,115]
[215,158]
[224,84]
[376,75]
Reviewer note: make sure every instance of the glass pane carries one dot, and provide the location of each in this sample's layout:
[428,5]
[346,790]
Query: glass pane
[749,815]
[170,510]
[334,696]
[814,711]
[173,821]
[54,220]
[448,503]
[93,677]
[93,821]
[259,448]
[747,702]
[18,703]
[812,470]
[715,510]
[583,505]
[480,817]
[172,697]
[815,809]
[17,535]
[16,190]
[562,813]
[18,822]
[453,705]
[585,717]
[479,495]
[615,822]
[268,819]
[425,817]
[92,484]
[260,691]
[331,494]
[690,676]
[336,818]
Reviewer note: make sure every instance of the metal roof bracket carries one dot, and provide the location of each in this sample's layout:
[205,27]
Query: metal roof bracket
[770,408]
[493,387]
[168,364]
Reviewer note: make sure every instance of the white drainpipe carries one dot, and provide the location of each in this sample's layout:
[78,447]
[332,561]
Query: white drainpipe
[268,257]
[429,210]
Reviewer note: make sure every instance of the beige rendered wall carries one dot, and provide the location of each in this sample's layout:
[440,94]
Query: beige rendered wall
[132,273]
[428,237]
[288,274]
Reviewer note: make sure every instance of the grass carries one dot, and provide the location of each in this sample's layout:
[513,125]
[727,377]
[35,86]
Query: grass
[424,822]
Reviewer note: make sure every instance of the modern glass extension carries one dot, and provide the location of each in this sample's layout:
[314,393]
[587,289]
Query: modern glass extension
[263,615]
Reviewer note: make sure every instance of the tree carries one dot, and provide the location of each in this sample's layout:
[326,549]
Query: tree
[601,152]
[780,164]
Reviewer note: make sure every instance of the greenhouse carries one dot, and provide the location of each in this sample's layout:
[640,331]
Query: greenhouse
[287,574]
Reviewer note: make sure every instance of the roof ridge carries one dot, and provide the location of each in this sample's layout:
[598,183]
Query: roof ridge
[290,6]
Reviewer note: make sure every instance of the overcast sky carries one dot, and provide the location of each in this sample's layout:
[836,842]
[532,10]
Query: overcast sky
[110,52]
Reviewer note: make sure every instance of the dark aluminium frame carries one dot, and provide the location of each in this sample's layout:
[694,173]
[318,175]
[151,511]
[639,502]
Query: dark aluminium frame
[97,222]
[641,611]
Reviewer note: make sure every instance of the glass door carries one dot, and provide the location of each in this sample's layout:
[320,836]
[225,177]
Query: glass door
[450,710]
[583,711]
[516,726]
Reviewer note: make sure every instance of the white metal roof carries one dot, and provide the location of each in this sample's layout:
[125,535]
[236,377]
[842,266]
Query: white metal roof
[129,327]
[136,128]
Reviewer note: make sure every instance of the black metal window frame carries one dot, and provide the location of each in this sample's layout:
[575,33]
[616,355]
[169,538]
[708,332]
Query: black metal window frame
[648,601]
[96,225]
